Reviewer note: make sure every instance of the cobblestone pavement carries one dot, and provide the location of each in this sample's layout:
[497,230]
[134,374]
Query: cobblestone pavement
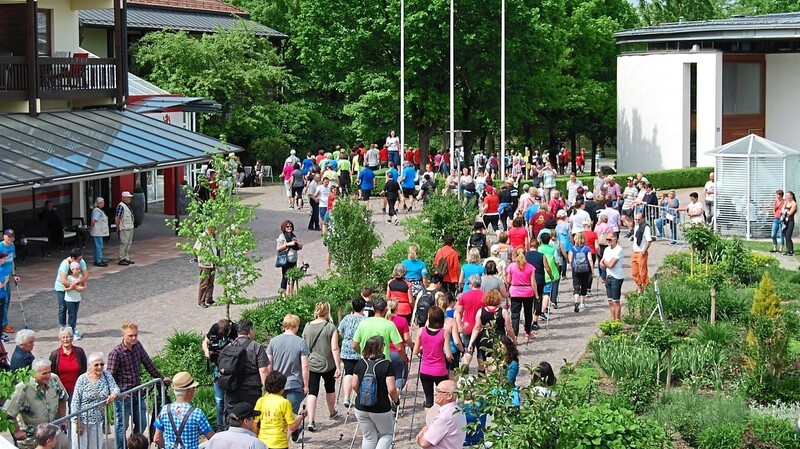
[160,291]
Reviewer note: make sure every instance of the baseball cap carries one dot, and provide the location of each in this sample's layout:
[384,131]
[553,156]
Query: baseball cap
[630,178]
[589,196]
[561,213]
[9,232]
[243,410]
[127,194]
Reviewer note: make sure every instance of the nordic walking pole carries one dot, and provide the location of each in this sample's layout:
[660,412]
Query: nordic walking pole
[396,407]
[347,415]
[341,382]
[303,426]
[353,441]
[19,296]
[405,395]
[414,411]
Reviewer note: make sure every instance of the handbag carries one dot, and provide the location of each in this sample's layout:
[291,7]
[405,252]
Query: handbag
[282,259]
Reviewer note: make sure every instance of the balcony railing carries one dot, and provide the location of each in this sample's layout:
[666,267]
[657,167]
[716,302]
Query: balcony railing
[60,78]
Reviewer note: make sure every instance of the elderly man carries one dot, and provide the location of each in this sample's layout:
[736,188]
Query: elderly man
[241,430]
[448,429]
[123,364]
[39,400]
[23,353]
[124,221]
[179,425]
[98,230]
[642,239]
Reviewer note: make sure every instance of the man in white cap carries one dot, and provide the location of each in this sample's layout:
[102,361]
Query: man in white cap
[292,159]
[124,221]
[180,424]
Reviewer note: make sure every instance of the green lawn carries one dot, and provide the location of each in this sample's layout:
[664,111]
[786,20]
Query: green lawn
[765,246]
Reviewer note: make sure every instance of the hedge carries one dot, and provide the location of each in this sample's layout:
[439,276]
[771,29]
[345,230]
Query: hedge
[681,178]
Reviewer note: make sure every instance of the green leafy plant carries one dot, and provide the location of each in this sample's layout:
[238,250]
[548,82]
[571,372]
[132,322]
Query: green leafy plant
[723,436]
[724,334]
[600,426]
[636,393]
[183,352]
[8,382]
[230,248]
[443,216]
[610,327]
[690,413]
[352,239]
[295,274]
[621,358]
[772,432]
[267,318]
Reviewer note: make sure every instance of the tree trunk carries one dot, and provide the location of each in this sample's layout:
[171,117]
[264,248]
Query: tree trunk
[425,135]
[595,166]
[573,150]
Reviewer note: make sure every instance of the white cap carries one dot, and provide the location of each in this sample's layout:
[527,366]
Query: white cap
[292,152]
[127,194]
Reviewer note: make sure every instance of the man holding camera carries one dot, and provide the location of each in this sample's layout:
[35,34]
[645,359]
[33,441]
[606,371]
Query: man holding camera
[220,335]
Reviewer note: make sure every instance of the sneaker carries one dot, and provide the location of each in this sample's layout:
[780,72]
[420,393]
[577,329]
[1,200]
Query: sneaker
[8,329]
[335,414]
[583,306]
[535,326]
[123,262]
[389,220]
[409,209]
[4,338]
[346,404]
[673,242]
[312,427]
[77,336]
[296,436]
[577,307]
[543,317]
[130,262]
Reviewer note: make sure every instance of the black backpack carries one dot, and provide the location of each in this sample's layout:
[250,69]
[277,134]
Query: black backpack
[425,302]
[479,241]
[368,388]
[231,363]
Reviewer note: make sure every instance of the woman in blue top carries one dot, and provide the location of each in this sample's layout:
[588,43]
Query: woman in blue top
[416,271]
[473,266]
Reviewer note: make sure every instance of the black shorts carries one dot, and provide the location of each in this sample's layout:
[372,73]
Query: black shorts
[365,194]
[297,192]
[349,366]
[313,382]
[407,192]
[451,366]
[626,212]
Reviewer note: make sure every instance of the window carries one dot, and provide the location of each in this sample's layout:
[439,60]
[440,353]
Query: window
[43,32]
[741,88]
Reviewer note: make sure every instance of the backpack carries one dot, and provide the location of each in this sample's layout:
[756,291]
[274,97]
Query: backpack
[231,363]
[479,241]
[368,388]
[425,302]
[441,266]
[580,263]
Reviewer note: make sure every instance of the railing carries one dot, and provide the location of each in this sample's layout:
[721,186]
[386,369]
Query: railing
[666,223]
[104,434]
[59,78]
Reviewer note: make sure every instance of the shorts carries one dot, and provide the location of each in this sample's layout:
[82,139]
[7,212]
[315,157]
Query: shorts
[408,191]
[613,288]
[349,366]
[627,212]
[581,282]
[365,194]
[451,366]
[327,217]
[297,192]
[313,382]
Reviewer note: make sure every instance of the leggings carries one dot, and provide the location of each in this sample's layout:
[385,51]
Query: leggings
[428,382]
[392,207]
[787,232]
[521,304]
[284,269]
[504,216]
[313,382]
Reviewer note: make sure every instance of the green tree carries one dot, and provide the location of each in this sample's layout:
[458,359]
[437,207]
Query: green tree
[230,248]
[351,239]
[654,12]
[755,7]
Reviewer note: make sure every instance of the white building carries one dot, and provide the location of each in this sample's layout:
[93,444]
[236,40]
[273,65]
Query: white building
[686,88]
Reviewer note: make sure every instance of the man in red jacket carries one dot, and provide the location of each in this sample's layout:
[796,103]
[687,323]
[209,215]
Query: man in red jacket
[446,264]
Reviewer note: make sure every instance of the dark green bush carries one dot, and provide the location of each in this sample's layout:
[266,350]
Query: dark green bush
[599,426]
[183,352]
[398,251]
[268,317]
[724,334]
[686,297]
[442,215]
[637,393]
[665,179]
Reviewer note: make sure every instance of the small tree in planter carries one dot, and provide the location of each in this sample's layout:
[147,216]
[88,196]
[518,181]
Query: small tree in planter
[235,267]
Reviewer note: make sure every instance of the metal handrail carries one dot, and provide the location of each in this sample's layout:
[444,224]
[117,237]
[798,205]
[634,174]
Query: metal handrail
[159,382]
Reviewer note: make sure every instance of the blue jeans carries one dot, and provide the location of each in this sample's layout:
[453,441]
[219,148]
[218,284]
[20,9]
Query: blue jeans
[322,212]
[295,396]
[219,399]
[122,414]
[98,249]
[62,309]
[777,230]
[394,156]
[6,302]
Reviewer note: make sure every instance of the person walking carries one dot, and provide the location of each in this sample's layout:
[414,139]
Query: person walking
[275,416]
[347,329]
[287,241]
[255,368]
[123,218]
[205,250]
[400,368]
[220,335]
[98,230]
[447,265]
[521,277]
[311,194]
[399,289]
[374,414]
[324,361]
[491,322]
[432,343]
[580,259]
[787,219]
[612,263]
[288,354]
[241,430]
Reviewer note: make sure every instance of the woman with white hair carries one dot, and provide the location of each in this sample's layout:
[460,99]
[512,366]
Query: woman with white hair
[94,386]
[23,353]
[68,361]
[98,230]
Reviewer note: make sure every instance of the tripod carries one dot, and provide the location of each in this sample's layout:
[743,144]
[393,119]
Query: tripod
[658,308]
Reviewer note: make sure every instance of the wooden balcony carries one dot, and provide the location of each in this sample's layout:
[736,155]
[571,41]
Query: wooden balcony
[63,78]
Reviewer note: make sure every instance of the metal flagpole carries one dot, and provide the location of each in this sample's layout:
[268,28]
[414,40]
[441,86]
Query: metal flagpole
[402,80]
[502,89]
[452,88]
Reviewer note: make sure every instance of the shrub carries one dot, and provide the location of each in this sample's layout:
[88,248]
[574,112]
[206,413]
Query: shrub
[443,215]
[621,358]
[724,334]
[637,393]
[183,352]
[779,433]
[706,364]
[600,426]
[724,436]
[610,327]
[679,262]
[271,151]
[690,413]
[664,179]
[578,384]
[766,302]
[268,317]
[688,297]
[351,238]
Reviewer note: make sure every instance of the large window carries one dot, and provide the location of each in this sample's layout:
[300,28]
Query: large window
[741,88]
[43,32]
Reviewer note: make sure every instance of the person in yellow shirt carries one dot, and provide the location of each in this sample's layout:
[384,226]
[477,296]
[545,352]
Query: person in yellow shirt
[277,418]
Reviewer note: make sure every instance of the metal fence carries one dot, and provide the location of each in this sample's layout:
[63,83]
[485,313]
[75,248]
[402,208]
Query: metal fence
[666,223]
[105,426]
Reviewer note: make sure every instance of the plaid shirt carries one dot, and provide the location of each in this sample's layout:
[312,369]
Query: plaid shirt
[196,425]
[123,364]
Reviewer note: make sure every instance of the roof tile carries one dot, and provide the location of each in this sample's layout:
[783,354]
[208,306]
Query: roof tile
[199,5]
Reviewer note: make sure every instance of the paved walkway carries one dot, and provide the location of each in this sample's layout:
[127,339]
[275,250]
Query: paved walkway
[160,291]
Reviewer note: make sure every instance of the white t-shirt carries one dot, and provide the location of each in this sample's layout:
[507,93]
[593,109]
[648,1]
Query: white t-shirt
[392,142]
[614,253]
[695,211]
[572,189]
[578,218]
[710,190]
[646,238]
[72,295]
[323,193]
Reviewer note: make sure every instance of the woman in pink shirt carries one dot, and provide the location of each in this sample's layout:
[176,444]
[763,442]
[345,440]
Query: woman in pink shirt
[522,281]
[286,174]
[518,235]
[433,341]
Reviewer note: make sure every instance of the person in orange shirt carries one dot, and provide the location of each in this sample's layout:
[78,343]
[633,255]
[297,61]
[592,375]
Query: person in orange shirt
[447,265]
